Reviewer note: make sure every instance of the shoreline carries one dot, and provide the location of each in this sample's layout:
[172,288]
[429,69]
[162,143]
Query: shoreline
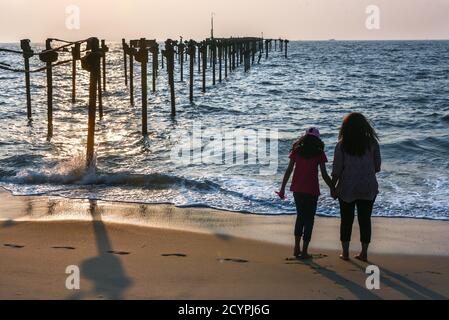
[206,207]
[164,252]
[390,235]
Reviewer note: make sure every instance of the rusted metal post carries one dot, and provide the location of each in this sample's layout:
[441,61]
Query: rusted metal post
[233,55]
[220,61]
[154,51]
[142,57]
[214,61]
[266,49]
[105,49]
[131,75]
[238,55]
[170,56]
[100,94]
[199,57]
[204,63]
[27,54]
[162,59]
[48,56]
[253,51]
[191,52]
[230,58]
[181,47]
[91,63]
[125,61]
[226,59]
[76,55]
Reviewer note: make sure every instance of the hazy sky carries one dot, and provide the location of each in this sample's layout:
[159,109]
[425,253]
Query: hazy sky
[293,19]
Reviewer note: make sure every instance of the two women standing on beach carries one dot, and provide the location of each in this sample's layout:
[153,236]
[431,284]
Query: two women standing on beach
[356,161]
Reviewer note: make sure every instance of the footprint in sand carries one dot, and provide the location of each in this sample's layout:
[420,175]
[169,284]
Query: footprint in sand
[15,246]
[65,248]
[120,253]
[238,260]
[181,255]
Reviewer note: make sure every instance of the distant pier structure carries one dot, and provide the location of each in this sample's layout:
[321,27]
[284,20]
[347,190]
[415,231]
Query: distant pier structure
[218,56]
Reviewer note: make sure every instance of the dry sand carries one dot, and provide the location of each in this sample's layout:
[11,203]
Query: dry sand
[163,252]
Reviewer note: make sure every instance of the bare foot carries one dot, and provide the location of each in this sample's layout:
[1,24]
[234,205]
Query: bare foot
[305,256]
[344,257]
[296,252]
[361,257]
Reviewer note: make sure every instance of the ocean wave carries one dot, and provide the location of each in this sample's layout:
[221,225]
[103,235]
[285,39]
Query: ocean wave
[418,147]
[155,181]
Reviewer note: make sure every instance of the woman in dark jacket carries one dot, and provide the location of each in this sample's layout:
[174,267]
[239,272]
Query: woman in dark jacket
[356,161]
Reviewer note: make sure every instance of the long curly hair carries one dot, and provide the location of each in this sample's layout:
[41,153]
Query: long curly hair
[356,134]
[308,146]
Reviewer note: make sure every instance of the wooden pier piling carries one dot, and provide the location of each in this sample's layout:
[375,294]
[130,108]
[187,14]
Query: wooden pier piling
[142,57]
[154,53]
[76,55]
[125,60]
[131,75]
[91,63]
[214,61]
[100,96]
[49,56]
[181,48]
[191,51]
[220,57]
[170,56]
[266,49]
[27,54]
[104,49]
[199,45]
[204,64]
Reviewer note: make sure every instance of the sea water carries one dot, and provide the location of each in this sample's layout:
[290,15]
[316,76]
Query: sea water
[401,86]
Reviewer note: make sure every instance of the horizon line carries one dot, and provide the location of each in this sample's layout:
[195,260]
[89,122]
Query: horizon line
[292,40]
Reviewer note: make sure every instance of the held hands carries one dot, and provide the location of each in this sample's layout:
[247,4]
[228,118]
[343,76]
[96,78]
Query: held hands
[334,193]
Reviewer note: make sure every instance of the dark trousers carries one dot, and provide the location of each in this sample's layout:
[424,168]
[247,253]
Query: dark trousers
[306,205]
[347,212]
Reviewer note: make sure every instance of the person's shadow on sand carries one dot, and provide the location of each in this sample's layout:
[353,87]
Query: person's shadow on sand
[357,290]
[105,270]
[404,285]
